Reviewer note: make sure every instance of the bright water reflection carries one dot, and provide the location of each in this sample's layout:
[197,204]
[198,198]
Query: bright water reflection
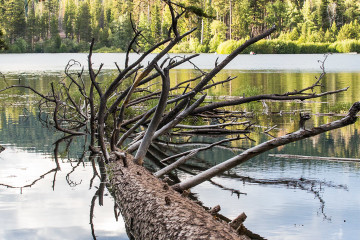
[275,211]
[38,200]
[282,212]
[22,63]
[41,212]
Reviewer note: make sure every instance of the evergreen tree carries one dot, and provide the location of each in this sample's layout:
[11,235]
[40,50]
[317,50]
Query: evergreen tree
[352,11]
[69,18]
[145,40]
[241,19]
[294,15]
[218,31]
[83,22]
[155,26]
[14,19]
[257,16]
[276,14]
[206,24]
[322,15]
[122,32]
[51,14]
[309,13]
[349,31]
[97,18]
[32,23]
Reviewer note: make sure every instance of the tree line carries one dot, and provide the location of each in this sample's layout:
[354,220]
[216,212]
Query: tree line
[68,25]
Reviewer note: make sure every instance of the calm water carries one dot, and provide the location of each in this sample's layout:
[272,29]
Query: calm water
[280,62]
[60,208]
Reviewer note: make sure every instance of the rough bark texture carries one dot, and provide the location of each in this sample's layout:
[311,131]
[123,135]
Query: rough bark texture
[152,210]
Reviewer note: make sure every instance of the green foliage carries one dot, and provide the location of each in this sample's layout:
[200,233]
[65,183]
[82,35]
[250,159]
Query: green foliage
[218,32]
[339,107]
[277,46]
[69,18]
[108,50]
[182,47]
[53,45]
[346,46]
[276,13]
[349,31]
[302,26]
[122,32]
[69,45]
[14,22]
[227,47]
[82,23]
[315,48]
[249,91]
[19,46]
[3,46]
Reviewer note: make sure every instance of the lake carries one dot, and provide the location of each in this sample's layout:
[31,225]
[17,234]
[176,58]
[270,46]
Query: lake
[325,205]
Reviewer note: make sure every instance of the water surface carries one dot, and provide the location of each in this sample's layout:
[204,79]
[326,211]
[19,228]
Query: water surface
[60,209]
[274,62]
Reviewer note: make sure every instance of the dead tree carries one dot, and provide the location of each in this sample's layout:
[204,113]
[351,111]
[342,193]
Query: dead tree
[120,122]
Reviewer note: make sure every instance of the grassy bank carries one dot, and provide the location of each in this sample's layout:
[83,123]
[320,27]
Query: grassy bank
[291,47]
[275,46]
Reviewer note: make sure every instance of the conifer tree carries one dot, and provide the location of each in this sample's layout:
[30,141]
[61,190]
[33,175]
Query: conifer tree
[83,22]
[32,25]
[241,19]
[14,19]
[69,18]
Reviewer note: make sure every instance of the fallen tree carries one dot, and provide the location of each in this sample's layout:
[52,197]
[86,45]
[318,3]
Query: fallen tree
[120,121]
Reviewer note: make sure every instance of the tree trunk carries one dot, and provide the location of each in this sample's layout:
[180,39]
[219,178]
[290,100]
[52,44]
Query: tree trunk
[153,210]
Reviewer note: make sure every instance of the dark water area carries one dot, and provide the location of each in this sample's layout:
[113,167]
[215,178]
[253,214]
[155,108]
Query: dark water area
[325,203]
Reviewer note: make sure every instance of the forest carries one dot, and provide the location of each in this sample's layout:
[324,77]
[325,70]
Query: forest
[304,26]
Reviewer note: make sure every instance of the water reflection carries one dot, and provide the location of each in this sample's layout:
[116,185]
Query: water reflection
[44,194]
[326,207]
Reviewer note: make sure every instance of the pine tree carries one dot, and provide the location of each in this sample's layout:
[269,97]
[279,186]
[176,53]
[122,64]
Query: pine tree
[276,14]
[32,25]
[97,18]
[69,18]
[14,19]
[155,26]
[83,22]
[206,23]
[241,19]
[352,11]
[322,15]
[309,13]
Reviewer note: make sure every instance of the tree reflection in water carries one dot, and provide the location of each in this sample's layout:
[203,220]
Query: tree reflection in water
[312,186]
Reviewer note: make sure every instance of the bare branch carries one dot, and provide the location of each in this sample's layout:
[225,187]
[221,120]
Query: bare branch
[145,143]
[263,147]
[170,125]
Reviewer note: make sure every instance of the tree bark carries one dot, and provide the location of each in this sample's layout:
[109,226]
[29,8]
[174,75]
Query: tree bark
[153,210]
